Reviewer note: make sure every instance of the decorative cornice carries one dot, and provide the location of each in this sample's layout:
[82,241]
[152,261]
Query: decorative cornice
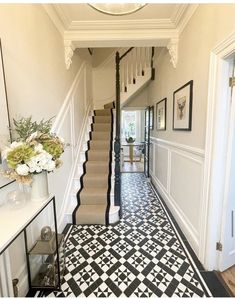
[52,13]
[173,51]
[178,14]
[186,16]
[63,17]
[68,53]
[147,24]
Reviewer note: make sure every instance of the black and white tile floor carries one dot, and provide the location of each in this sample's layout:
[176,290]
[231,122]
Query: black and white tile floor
[141,256]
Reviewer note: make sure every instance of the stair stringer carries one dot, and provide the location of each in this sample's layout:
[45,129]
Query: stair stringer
[81,157]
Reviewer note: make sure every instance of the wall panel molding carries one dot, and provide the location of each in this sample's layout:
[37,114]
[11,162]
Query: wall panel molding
[189,149]
[194,159]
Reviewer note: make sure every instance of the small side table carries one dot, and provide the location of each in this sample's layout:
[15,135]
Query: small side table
[44,259]
[12,224]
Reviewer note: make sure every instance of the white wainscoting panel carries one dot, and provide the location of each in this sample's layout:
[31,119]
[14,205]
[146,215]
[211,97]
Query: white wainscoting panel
[177,173]
[161,164]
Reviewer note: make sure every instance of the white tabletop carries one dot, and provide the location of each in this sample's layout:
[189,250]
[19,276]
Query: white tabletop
[12,222]
[132,144]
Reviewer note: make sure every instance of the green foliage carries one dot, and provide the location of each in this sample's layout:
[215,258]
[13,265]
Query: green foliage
[24,127]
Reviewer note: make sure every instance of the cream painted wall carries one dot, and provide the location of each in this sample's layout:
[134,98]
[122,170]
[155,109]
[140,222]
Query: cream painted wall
[139,100]
[208,25]
[101,54]
[183,151]
[38,84]
[34,61]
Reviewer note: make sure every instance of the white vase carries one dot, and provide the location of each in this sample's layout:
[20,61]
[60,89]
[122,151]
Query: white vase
[39,187]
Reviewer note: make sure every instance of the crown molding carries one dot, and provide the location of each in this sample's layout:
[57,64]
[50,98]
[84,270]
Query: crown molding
[178,14]
[147,24]
[62,15]
[188,13]
[52,13]
[121,38]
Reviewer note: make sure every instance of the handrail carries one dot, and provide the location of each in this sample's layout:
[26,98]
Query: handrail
[128,51]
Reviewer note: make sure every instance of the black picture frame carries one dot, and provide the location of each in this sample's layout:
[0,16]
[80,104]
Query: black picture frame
[151,117]
[182,107]
[161,109]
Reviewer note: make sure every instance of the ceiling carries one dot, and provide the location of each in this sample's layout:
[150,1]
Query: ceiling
[83,12]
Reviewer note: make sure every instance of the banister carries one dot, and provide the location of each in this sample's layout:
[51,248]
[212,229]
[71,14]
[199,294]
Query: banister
[117,145]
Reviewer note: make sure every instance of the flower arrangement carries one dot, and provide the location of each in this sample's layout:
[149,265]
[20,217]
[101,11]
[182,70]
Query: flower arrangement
[35,149]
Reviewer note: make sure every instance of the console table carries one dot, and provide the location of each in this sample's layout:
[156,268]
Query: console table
[12,224]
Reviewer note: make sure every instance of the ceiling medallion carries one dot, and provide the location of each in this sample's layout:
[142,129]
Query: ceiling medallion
[117,9]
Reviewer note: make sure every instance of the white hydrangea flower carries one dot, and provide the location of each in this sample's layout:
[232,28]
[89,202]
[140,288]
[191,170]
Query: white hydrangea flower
[61,139]
[40,162]
[39,148]
[50,166]
[22,170]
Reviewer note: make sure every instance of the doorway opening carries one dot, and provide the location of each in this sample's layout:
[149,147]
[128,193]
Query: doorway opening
[132,140]
[219,171]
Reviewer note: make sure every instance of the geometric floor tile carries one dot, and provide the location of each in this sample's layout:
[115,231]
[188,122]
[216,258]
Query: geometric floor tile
[141,256]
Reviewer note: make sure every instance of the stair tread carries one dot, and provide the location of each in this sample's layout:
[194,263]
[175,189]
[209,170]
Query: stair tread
[98,162]
[96,177]
[99,151]
[91,214]
[94,191]
[100,142]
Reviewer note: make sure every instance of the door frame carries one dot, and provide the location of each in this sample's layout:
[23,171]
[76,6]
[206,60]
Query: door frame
[146,152]
[217,133]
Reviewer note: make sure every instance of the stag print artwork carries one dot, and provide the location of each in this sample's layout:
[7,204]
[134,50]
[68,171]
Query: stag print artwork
[181,102]
[182,107]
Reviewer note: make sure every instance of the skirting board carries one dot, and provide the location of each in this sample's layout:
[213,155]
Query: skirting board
[179,216]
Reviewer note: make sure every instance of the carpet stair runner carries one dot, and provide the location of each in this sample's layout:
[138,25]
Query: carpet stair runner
[93,196]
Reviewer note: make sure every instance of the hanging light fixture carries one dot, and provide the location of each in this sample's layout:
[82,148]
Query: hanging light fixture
[117,9]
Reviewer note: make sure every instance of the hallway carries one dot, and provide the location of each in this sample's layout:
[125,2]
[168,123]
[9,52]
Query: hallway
[142,255]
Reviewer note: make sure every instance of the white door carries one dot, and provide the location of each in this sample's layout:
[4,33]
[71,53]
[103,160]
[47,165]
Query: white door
[227,255]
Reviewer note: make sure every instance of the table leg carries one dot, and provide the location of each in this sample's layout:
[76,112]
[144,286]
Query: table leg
[131,153]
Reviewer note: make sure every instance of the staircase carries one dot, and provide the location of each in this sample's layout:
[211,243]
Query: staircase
[95,183]
[98,200]
[136,71]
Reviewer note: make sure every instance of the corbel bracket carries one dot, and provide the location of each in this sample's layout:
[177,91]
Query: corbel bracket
[173,51]
[68,53]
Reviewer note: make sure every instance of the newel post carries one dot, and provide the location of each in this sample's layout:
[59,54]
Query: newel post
[117,146]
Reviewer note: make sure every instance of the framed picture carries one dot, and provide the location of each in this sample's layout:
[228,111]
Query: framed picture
[182,107]
[161,114]
[151,117]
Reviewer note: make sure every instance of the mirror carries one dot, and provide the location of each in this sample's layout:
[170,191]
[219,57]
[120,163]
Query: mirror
[5,134]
